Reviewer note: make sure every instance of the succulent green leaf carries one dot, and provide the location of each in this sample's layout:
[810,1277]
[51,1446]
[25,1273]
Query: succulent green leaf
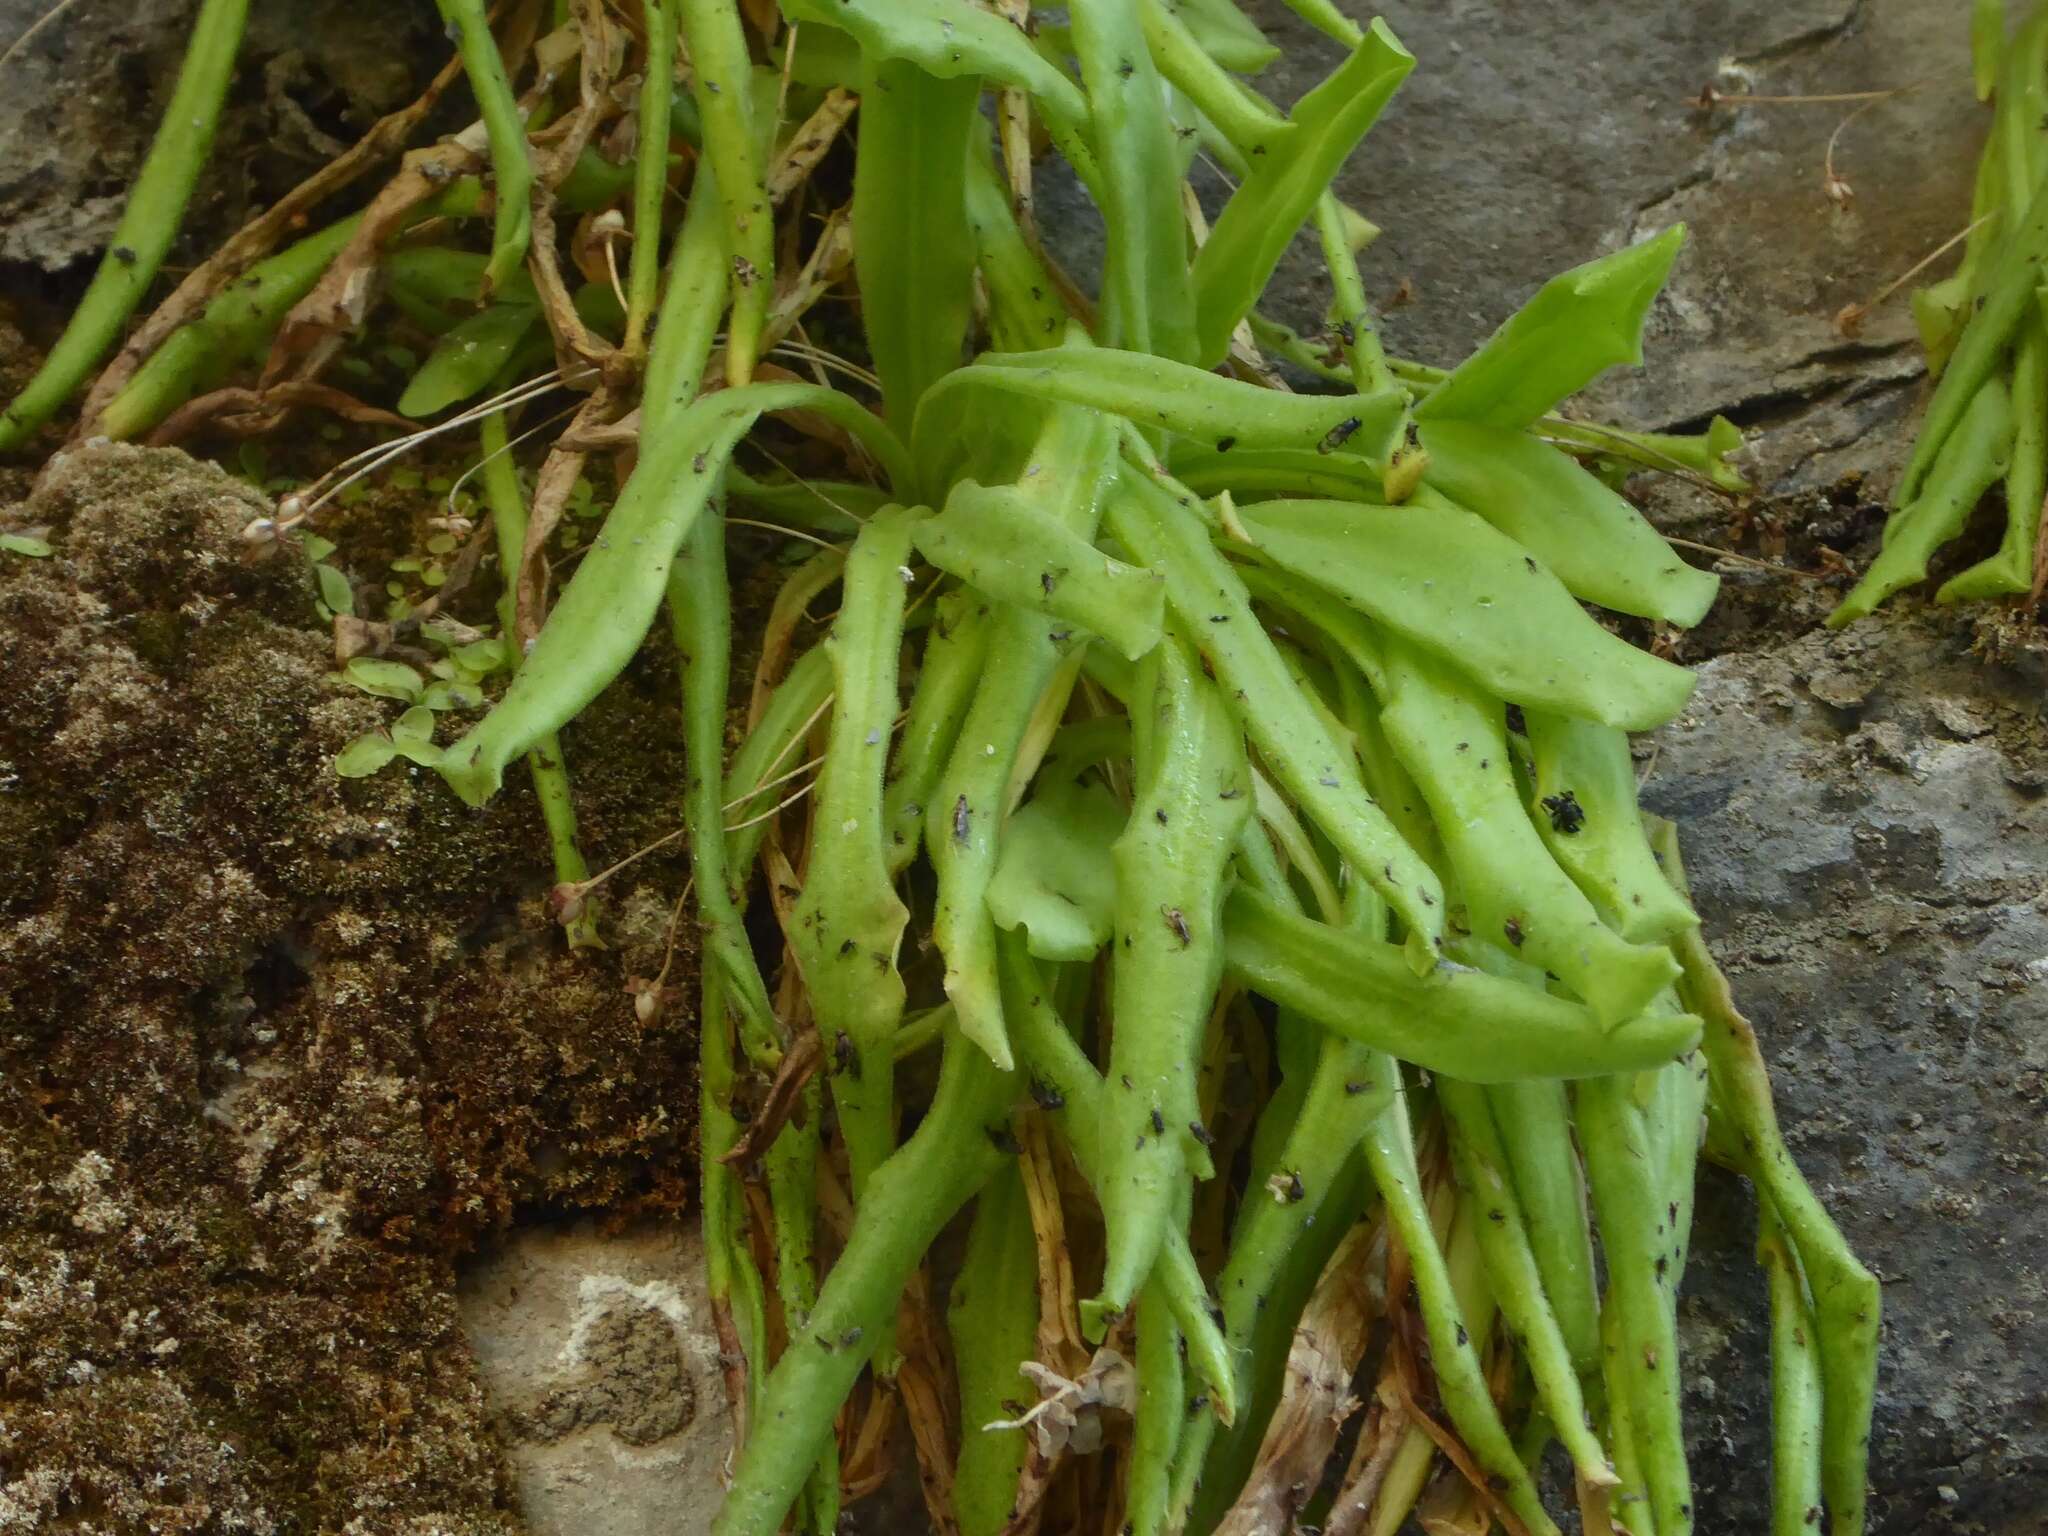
[466,360]
[1262,216]
[1055,878]
[365,755]
[1460,588]
[384,679]
[1578,325]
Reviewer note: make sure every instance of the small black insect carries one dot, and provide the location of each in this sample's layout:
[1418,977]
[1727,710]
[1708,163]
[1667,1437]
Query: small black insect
[1516,721]
[1513,930]
[1354,1088]
[1338,435]
[1225,444]
[1158,1122]
[844,1057]
[1045,1096]
[1296,1192]
[1201,1133]
[1566,814]
[1177,921]
[1000,1138]
[124,255]
[963,825]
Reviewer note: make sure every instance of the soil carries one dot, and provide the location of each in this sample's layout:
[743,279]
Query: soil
[277,1048]
[320,1157]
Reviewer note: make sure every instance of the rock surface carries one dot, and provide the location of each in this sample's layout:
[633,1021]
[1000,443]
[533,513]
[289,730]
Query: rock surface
[1865,823]
[598,1354]
[79,103]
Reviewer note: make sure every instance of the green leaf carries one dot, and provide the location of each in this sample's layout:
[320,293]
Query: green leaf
[1463,590]
[1579,324]
[335,591]
[433,284]
[1221,413]
[913,250]
[414,726]
[1975,455]
[1147,304]
[1451,736]
[364,756]
[1987,43]
[2004,300]
[1262,216]
[412,737]
[1597,543]
[482,657]
[1055,878]
[1463,1023]
[453,695]
[1225,34]
[949,38]
[25,544]
[1583,802]
[316,548]
[384,679]
[995,539]
[467,359]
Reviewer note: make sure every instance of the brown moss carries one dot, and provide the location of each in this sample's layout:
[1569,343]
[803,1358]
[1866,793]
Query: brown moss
[276,1047]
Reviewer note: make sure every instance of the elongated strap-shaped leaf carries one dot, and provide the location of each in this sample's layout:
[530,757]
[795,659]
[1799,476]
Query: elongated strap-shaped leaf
[1259,474]
[949,671]
[1987,42]
[466,360]
[994,539]
[1193,796]
[1456,586]
[511,156]
[992,1315]
[1065,471]
[2007,293]
[1973,457]
[605,610]
[949,38]
[2010,568]
[1025,309]
[1239,114]
[1453,1020]
[1578,325]
[1264,213]
[1320,776]
[912,248]
[1641,1355]
[771,747]
[1153,392]
[235,327]
[1226,34]
[1147,304]
[1054,877]
[149,223]
[723,81]
[849,919]
[1598,545]
[1584,806]
[1452,738]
